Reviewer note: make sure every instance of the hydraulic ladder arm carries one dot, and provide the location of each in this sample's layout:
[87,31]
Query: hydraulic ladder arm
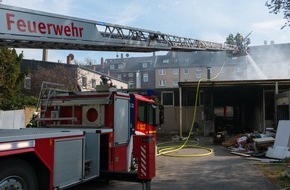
[25,28]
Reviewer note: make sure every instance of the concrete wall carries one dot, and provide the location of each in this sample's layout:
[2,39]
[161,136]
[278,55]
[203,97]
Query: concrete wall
[13,119]
[172,121]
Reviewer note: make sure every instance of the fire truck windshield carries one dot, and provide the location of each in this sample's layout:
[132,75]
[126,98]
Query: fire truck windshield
[146,112]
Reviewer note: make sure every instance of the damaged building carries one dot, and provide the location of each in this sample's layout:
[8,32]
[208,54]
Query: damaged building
[236,94]
[234,106]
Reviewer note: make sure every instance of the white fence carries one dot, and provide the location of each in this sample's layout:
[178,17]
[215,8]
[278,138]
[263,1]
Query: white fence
[13,119]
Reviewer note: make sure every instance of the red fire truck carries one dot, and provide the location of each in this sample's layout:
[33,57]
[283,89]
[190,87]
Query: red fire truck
[83,135]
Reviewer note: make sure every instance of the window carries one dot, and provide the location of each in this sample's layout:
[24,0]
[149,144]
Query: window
[167,98]
[162,83]
[198,74]
[27,82]
[119,76]
[112,66]
[145,77]
[146,112]
[165,60]
[144,65]
[120,66]
[185,70]
[162,72]
[175,83]
[84,81]
[93,83]
[131,84]
[175,71]
[124,75]
[130,75]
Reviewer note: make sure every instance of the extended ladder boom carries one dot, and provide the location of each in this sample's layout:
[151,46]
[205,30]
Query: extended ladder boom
[25,28]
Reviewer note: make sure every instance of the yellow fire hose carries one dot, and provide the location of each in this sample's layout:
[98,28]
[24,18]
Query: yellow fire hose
[169,150]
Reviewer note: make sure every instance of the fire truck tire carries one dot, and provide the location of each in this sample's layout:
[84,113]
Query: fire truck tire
[17,174]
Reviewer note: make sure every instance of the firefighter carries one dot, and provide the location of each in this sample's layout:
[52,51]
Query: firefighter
[104,80]
[33,123]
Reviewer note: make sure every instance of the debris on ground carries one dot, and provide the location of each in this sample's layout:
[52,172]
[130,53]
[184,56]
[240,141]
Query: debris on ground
[251,144]
[266,160]
[271,148]
[175,138]
[219,138]
[231,141]
[240,154]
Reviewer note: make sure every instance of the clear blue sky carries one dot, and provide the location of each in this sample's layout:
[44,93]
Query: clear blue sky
[210,20]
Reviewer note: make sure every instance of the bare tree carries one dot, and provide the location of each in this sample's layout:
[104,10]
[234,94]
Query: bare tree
[89,61]
[58,74]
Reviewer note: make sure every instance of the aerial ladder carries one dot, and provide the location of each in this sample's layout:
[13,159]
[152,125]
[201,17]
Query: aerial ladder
[82,135]
[34,29]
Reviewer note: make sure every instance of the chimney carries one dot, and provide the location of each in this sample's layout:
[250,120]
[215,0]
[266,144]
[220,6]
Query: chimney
[102,63]
[208,72]
[44,54]
[138,79]
[69,58]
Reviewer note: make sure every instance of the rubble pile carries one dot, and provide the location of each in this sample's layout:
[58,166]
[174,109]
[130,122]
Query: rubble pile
[232,141]
[269,147]
[251,144]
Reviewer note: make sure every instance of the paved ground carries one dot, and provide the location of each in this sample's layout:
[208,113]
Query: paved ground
[219,171]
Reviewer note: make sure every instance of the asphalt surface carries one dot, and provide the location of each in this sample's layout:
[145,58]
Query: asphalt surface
[219,171]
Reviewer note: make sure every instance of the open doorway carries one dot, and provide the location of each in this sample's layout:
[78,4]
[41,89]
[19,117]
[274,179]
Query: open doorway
[236,109]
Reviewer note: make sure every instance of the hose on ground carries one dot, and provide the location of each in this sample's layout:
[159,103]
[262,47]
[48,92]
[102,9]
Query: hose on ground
[169,150]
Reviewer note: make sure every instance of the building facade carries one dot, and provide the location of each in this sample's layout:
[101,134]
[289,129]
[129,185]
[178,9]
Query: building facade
[74,77]
[262,63]
[137,72]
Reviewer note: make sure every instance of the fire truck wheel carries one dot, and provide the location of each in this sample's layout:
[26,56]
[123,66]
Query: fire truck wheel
[17,174]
